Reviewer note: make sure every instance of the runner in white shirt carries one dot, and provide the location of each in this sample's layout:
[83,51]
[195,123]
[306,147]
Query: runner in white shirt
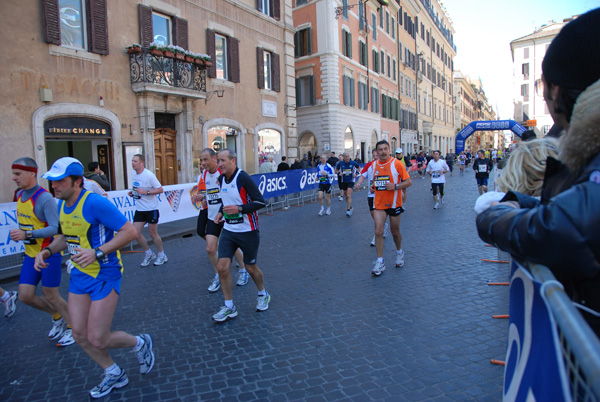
[437,168]
[210,198]
[146,188]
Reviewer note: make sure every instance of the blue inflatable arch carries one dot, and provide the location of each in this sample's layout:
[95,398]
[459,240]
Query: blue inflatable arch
[492,125]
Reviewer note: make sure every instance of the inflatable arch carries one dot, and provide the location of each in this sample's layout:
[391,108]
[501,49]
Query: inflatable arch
[492,125]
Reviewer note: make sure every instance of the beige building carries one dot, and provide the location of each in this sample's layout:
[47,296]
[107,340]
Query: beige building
[435,51]
[71,88]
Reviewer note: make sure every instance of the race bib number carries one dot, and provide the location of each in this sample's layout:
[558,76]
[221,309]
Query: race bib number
[323,177]
[436,175]
[380,182]
[233,219]
[213,196]
[27,228]
[73,242]
[482,168]
[347,172]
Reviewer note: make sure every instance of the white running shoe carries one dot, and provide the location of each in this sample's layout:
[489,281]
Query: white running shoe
[328,212]
[161,259]
[378,268]
[215,284]
[66,339]
[400,259]
[109,382]
[373,242]
[10,305]
[145,355]
[386,230]
[436,206]
[442,200]
[225,313]
[322,211]
[242,278]
[58,327]
[262,302]
[148,259]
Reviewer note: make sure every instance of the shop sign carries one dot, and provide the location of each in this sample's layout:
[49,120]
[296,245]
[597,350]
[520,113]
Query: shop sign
[77,127]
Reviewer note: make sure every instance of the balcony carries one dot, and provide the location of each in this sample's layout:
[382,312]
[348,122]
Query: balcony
[167,75]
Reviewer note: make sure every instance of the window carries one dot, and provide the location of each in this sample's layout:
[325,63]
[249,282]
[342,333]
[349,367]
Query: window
[393,28]
[363,56]
[525,112]
[382,62]
[525,70]
[301,2]
[389,66]
[423,31]
[394,69]
[305,91]
[161,29]
[381,17]
[375,60]
[374,100]
[349,91]
[303,42]
[525,92]
[361,16]
[363,97]
[221,57]
[374,25]
[77,24]
[269,144]
[526,52]
[346,43]
[269,7]
[345,9]
[268,70]
[401,82]
[387,22]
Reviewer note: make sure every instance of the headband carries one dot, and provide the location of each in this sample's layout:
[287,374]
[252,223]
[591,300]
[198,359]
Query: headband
[23,167]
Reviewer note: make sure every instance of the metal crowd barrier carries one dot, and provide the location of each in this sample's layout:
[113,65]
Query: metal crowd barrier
[10,265]
[579,344]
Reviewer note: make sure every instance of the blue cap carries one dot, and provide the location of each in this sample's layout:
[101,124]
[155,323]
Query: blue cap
[62,168]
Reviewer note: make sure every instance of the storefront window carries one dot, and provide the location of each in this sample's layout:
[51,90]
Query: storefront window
[72,29]
[269,144]
[394,144]
[221,137]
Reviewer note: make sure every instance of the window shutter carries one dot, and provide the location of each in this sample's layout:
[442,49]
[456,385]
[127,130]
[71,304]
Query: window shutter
[346,91]
[51,21]
[312,90]
[297,44]
[180,32]
[259,5]
[309,40]
[234,59]
[298,93]
[98,26]
[276,72]
[210,50]
[349,45]
[352,92]
[344,46]
[276,9]
[260,68]
[145,21]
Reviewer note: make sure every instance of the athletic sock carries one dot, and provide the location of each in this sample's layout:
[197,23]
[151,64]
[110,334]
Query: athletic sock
[5,297]
[113,370]
[161,253]
[380,259]
[139,344]
[262,292]
[148,253]
[399,252]
[229,303]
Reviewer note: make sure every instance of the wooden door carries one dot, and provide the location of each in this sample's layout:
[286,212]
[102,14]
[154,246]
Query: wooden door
[165,155]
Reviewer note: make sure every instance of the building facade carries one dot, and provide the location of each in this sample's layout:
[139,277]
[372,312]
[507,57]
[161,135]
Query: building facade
[527,54]
[75,90]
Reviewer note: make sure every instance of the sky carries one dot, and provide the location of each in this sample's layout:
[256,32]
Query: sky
[484,30]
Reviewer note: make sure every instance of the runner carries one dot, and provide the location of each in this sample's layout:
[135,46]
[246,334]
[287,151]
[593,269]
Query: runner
[437,169]
[389,176]
[347,171]
[482,167]
[450,161]
[421,165]
[240,198]
[210,199]
[325,174]
[403,160]
[38,223]
[461,162]
[88,223]
[146,188]
[367,174]
[10,302]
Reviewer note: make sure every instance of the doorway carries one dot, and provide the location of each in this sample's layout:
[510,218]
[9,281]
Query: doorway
[165,155]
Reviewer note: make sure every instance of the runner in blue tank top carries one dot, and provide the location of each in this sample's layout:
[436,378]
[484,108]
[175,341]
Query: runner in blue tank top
[348,170]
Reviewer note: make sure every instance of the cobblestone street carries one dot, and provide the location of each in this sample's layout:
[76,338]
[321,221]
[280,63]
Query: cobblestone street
[332,331]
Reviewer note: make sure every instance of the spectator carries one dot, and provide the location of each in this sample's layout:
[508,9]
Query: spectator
[332,160]
[96,174]
[310,159]
[283,165]
[561,231]
[296,164]
[268,166]
[304,162]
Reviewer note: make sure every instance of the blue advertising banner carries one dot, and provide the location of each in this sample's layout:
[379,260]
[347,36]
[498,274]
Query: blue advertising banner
[534,368]
[492,125]
[287,182]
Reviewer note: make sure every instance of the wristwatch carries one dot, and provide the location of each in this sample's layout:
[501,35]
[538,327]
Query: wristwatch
[29,234]
[99,253]
[148,192]
[239,208]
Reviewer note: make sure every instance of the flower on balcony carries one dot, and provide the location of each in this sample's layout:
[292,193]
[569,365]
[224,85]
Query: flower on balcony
[135,48]
[384,2]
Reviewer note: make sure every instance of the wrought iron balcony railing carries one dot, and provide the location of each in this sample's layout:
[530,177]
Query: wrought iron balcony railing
[145,67]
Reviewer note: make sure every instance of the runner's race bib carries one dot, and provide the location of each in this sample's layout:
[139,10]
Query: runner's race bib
[233,219]
[73,242]
[347,172]
[482,168]
[323,178]
[380,182]
[213,196]
[436,175]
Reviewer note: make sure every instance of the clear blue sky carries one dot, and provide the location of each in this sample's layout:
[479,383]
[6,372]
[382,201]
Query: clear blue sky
[484,30]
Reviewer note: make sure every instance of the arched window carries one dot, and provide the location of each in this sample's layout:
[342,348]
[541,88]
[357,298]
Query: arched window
[348,141]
